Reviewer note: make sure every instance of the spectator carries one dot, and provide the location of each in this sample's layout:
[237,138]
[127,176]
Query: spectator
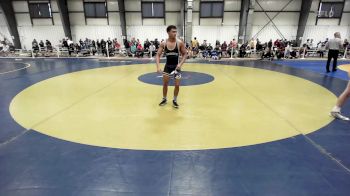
[152,49]
[103,47]
[267,53]
[280,52]
[71,49]
[293,53]
[116,45]
[234,47]
[224,49]
[5,48]
[156,43]
[35,47]
[85,44]
[48,46]
[209,49]
[48,43]
[258,45]
[242,50]
[252,44]
[217,43]
[133,49]
[320,49]
[77,48]
[234,44]
[218,49]
[287,50]
[109,42]
[65,43]
[345,44]
[215,54]
[326,41]
[69,41]
[204,45]
[303,50]
[1,45]
[269,44]
[139,51]
[127,47]
[311,43]
[41,44]
[146,45]
[98,43]
[60,45]
[34,42]
[195,47]
[277,43]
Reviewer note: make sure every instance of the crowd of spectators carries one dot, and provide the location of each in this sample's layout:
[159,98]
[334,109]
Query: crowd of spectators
[280,48]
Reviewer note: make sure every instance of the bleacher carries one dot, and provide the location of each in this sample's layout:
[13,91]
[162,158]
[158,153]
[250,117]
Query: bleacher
[61,52]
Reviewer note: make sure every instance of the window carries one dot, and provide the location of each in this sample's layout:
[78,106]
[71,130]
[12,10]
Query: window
[213,9]
[95,10]
[40,10]
[152,9]
[330,10]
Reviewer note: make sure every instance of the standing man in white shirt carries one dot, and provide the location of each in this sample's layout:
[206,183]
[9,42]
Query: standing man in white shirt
[333,46]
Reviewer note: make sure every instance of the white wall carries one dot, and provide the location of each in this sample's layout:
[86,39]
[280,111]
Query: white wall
[94,28]
[210,29]
[326,27]
[150,32]
[151,28]
[4,32]
[217,29]
[205,29]
[41,29]
[96,32]
[213,33]
[286,22]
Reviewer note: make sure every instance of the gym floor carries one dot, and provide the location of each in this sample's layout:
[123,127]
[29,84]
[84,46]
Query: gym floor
[244,127]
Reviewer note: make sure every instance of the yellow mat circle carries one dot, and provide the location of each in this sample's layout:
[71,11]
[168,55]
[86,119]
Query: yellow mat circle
[345,67]
[110,107]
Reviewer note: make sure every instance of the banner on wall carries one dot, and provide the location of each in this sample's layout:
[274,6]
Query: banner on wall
[330,10]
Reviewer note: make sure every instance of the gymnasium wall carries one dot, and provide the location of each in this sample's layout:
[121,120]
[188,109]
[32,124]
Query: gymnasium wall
[327,27]
[99,28]
[41,29]
[3,27]
[212,29]
[286,21]
[217,29]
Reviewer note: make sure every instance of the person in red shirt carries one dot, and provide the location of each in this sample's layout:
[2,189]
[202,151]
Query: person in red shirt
[139,51]
[116,45]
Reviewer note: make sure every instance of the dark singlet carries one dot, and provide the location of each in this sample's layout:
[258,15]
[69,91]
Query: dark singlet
[172,56]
